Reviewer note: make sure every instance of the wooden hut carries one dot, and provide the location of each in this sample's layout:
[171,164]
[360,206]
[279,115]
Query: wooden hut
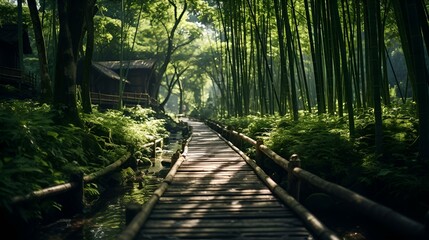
[9,48]
[104,85]
[105,80]
[14,83]
[139,73]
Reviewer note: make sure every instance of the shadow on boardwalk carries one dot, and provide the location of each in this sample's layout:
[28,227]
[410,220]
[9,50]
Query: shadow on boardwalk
[216,195]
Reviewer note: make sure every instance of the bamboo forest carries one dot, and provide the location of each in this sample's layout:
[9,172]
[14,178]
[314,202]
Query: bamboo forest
[259,119]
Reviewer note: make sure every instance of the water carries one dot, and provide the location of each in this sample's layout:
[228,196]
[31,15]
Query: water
[106,219]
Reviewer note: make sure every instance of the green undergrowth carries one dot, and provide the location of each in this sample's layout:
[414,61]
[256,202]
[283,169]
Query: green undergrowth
[37,153]
[396,178]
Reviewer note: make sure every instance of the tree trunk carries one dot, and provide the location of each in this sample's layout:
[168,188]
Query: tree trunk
[413,41]
[304,76]
[291,54]
[65,73]
[154,88]
[45,84]
[284,81]
[170,86]
[317,59]
[264,55]
[87,64]
[20,39]
[179,83]
[345,71]
[373,7]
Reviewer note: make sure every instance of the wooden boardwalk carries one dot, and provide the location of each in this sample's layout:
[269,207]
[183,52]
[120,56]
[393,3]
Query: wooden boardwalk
[216,195]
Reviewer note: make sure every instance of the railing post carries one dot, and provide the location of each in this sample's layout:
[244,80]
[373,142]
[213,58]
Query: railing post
[224,131]
[154,149]
[74,200]
[239,141]
[259,155]
[294,183]
[131,211]
[229,133]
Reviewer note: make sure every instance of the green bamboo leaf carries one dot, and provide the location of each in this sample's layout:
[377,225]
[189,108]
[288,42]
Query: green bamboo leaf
[384,172]
[52,134]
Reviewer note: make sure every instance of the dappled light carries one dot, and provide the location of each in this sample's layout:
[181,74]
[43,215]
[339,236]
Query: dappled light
[303,119]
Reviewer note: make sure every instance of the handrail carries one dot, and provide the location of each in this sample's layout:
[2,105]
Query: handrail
[380,213]
[44,193]
[61,188]
[91,177]
[316,227]
[384,215]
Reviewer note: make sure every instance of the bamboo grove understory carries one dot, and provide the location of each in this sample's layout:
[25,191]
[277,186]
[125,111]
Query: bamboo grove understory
[283,57]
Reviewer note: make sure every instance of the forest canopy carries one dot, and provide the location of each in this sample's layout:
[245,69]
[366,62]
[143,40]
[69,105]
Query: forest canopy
[362,63]
[235,58]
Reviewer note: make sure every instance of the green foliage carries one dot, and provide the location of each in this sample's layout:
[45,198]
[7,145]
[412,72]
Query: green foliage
[26,129]
[91,191]
[253,126]
[127,175]
[107,36]
[132,127]
[202,113]
[37,153]
[322,144]
[325,149]
[395,174]
[9,14]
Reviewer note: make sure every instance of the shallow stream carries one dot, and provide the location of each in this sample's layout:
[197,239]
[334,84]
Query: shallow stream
[107,218]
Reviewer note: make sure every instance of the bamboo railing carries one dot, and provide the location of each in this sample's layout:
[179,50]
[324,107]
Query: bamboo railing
[383,215]
[79,180]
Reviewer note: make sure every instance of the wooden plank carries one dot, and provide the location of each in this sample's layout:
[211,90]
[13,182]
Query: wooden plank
[220,176]
[222,234]
[221,190]
[211,230]
[216,195]
[215,201]
[222,223]
[217,215]
[217,198]
[212,167]
[248,185]
[218,205]
[254,211]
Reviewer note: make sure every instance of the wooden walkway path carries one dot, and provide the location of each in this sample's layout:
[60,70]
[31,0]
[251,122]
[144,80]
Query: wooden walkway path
[216,195]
